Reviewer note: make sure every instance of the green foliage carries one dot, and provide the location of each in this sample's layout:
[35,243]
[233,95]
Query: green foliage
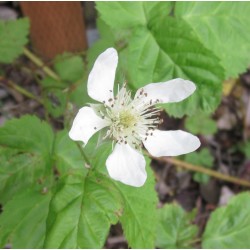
[202,158]
[53,196]
[175,229]
[223,27]
[85,202]
[66,154]
[19,171]
[28,134]
[139,217]
[139,204]
[155,55]
[26,147]
[229,226]
[13,36]
[70,87]
[190,43]
[201,123]
[69,68]
[23,221]
[55,98]
[81,211]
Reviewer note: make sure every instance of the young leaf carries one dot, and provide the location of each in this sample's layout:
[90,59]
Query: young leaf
[81,211]
[201,123]
[13,36]
[174,229]
[203,158]
[224,28]
[22,222]
[228,227]
[139,217]
[69,67]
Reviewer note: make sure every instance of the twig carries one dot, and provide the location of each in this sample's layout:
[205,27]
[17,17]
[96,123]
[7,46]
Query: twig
[22,91]
[83,153]
[204,171]
[40,63]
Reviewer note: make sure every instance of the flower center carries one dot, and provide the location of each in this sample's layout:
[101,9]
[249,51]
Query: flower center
[126,119]
[131,120]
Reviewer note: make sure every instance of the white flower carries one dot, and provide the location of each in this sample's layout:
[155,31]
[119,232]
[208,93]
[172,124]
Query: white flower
[131,122]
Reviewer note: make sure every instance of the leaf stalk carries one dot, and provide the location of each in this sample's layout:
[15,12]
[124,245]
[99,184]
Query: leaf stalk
[203,170]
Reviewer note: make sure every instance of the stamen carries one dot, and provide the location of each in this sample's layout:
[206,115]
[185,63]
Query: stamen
[131,121]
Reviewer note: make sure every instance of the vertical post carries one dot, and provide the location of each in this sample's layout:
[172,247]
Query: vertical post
[56,27]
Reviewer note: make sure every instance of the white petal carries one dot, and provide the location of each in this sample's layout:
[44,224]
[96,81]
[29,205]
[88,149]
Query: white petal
[171,143]
[127,165]
[102,76]
[174,90]
[85,124]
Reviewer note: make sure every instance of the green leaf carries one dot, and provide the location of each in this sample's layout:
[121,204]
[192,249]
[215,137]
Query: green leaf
[228,227]
[26,148]
[55,96]
[139,203]
[79,96]
[162,48]
[203,158]
[13,36]
[175,229]
[201,123]
[139,217]
[69,67]
[20,171]
[22,222]
[81,211]
[124,14]
[168,51]
[224,28]
[132,14]
[71,70]
[66,154]
[28,134]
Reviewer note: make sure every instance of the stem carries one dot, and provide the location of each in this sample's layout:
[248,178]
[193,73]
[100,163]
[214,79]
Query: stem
[83,153]
[197,240]
[203,170]
[23,91]
[40,63]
